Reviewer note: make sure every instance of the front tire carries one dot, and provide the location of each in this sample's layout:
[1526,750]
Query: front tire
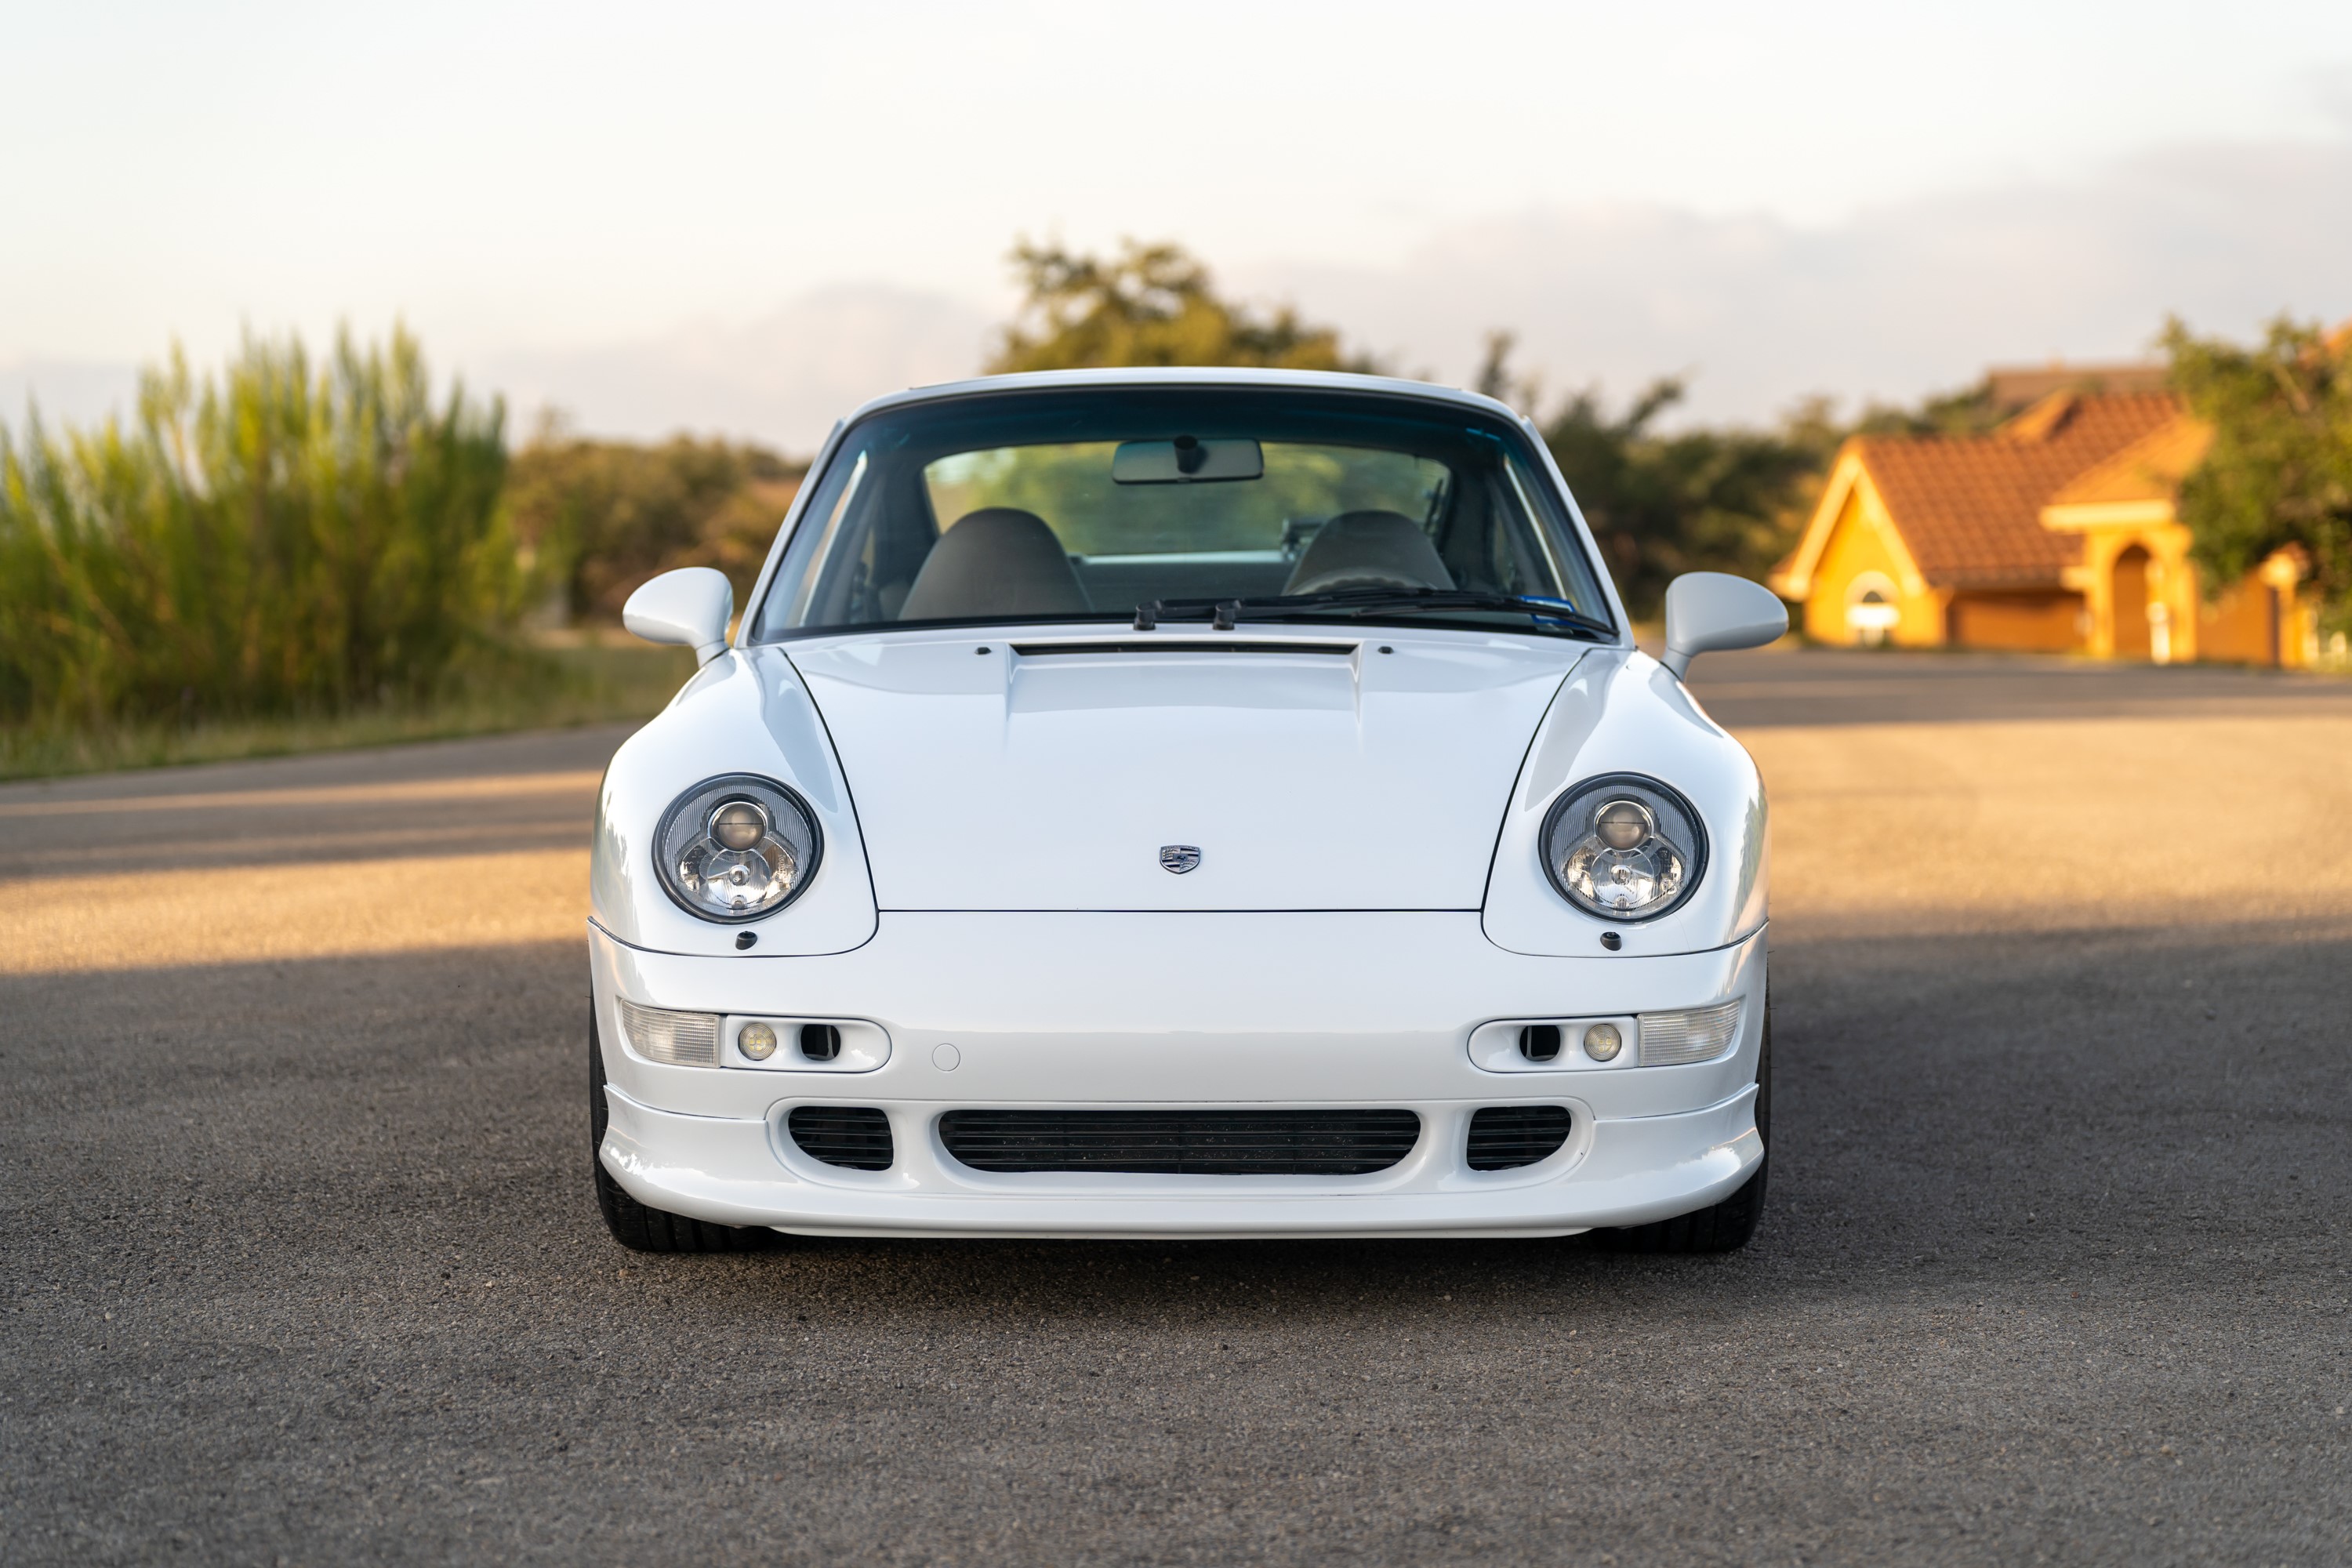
[1719,1227]
[635,1226]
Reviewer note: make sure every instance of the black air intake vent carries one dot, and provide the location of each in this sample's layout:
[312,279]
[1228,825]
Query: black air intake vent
[1183,1142]
[1164,645]
[1504,1137]
[855,1137]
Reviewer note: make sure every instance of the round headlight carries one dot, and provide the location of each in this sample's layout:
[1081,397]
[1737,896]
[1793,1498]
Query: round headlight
[1624,847]
[735,848]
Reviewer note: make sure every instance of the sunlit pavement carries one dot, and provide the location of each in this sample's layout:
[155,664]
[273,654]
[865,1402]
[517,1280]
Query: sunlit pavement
[300,1261]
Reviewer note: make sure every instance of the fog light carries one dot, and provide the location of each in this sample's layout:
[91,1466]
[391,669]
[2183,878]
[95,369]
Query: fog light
[1602,1042]
[757,1041]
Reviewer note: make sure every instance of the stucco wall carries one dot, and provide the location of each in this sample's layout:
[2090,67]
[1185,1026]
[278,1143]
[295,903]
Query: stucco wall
[1858,545]
[2033,622]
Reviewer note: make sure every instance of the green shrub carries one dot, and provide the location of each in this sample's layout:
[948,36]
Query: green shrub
[601,517]
[288,539]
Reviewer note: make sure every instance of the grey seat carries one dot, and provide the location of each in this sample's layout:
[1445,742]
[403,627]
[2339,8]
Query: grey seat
[1369,550]
[998,560]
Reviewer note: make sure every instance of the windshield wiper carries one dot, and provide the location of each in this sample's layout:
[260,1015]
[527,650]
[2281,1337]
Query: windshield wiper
[1225,612]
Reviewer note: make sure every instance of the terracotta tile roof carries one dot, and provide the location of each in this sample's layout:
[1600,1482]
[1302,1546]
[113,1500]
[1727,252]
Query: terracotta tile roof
[1970,507]
[2014,387]
[2150,468]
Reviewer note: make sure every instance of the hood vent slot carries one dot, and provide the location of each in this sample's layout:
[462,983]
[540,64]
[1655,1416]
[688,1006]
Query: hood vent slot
[1162,646]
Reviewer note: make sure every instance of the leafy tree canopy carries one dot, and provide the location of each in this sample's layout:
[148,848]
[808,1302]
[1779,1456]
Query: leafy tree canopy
[1970,410]
[1148,305]
[2279,471]
[601,517]
[1663,502]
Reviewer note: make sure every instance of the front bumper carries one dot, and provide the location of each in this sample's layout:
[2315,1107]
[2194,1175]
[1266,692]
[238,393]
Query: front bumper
[1275,1010]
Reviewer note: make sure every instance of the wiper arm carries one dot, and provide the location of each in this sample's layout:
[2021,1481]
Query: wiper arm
[1225,612]
[1556,610]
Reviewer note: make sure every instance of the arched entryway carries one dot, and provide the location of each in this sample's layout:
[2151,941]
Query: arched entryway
[1871,609]
[2130,602]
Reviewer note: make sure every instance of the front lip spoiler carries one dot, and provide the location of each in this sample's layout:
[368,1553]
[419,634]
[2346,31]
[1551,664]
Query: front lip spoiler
[1634,1170]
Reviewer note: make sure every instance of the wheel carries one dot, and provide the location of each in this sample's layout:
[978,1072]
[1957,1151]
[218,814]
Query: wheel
[1720,1227]
[634,1225]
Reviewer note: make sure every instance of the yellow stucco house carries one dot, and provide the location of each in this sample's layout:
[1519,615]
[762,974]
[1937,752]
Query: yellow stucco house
[2056,533]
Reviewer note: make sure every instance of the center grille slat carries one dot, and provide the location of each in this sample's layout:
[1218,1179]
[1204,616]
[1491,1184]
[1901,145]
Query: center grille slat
[1504,1137]
[1183,1142]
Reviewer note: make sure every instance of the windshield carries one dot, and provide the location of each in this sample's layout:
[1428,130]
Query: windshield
[1113,503]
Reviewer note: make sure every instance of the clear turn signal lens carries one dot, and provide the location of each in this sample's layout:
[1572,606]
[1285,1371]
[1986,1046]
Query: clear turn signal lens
[1700,1034]
[681,1039]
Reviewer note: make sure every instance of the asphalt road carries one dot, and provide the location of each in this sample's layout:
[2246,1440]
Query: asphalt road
[299,1262]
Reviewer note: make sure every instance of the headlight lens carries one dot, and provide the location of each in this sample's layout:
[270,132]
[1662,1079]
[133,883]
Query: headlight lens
[1624,847]
[737,848]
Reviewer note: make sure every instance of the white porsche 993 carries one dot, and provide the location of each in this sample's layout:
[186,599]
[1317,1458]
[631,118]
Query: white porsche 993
[1208,804]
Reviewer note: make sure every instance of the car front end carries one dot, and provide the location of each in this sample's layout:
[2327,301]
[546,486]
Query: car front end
[1317,912]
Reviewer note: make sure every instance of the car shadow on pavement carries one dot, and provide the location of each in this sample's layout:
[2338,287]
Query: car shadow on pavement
[1980,1105]
[304,1251]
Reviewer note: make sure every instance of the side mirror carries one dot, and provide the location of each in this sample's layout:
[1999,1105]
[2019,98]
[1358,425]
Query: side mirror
[1708,612]
[689,606]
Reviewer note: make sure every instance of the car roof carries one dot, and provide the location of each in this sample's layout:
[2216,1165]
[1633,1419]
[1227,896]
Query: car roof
[1189,376]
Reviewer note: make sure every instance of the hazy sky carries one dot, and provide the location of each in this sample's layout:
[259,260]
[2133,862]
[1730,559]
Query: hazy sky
[744,217]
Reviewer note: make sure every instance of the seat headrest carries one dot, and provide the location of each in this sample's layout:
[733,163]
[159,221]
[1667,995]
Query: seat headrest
[998,560]
[1369,550]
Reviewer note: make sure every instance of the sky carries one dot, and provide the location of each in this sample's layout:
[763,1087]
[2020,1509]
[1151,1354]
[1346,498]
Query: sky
[746,218]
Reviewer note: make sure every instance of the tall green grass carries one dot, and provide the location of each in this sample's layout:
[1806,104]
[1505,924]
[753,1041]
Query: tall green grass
[602,680]
[290,539]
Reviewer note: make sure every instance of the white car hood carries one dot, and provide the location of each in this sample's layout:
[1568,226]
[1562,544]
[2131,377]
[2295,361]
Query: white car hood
[1049,771]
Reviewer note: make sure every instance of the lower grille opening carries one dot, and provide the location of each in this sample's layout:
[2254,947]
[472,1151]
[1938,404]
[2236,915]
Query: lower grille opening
[855,1137]
[1504,1137]
[1183,1142]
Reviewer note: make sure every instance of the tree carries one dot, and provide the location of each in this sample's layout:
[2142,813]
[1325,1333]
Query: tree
[601,517]
[1970,410]
[1660,504]
[1150,305]
[2279,471]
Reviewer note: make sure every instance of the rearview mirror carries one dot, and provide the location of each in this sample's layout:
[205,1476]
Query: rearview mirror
[689,606]
[1186,460]
[1710,612]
